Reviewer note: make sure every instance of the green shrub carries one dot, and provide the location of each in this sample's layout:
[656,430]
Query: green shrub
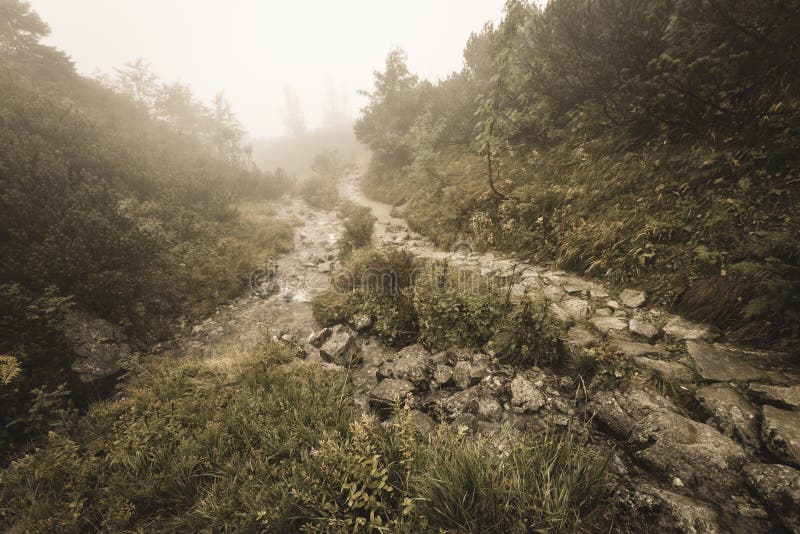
[359,225]
[320,192]
[456,307]
[528,335]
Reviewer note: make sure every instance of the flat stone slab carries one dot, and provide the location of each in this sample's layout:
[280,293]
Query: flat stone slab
[620,411]
[391,391]
[643,328]
[722,364]
[604,324]
[789,396]
[683,329]
[780,432]
[632,298]
[634,348]
[580,337]
[672,371]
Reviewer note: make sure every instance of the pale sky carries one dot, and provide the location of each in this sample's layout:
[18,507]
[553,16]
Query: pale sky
[251,49]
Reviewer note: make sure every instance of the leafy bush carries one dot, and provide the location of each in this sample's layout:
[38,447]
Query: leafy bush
[320,192]
[359,225]
[528,335]
[441,306]
[456,307]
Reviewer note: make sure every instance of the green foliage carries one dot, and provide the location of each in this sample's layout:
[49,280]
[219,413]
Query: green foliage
[117,196]
[456,307]
[528,335]
[359,225]
[648,143]
[260,441]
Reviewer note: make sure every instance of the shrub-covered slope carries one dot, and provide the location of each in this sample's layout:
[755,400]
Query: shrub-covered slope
[116,199]
[651,143]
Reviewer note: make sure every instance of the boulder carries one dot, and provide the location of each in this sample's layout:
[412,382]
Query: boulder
[604,324]
[719,363]
[788,396]
[672,371]
[730,412]
[632,298]
[695,453]
[413,363]
[339,347]
[619,411]
[101,347]
[648,506]
[643,328]
[780,432]
[778,486]
[525,396]
[390,392]
[465,401]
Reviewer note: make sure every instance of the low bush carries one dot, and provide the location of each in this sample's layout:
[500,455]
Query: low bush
[320,192]
[440,306]
[359,225]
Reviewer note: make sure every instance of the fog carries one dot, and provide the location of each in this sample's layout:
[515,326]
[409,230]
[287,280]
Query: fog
[254,50]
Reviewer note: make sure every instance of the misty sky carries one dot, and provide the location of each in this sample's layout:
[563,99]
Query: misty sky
[253,48]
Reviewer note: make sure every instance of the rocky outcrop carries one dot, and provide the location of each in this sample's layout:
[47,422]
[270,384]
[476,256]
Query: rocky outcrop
[730,413]
[779,488]
[719,363]
[780,432]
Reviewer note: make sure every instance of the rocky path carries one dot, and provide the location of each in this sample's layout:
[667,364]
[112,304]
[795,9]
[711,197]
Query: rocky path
[707,434]
[703,436]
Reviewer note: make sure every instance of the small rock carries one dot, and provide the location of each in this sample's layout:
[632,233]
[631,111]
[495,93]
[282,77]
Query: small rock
[489,409]
[731,413]
[462,402]
[324,267]
[598,293]
[462,375]
[338,348]
[778,486]
[525,396]
[643,328]
[442,374]
[721,364]
[632,298]
[553,293]
[413,363]
[603,312]
[580,337]
[613,304]
[780,432]
[361,322]
[604,324]
[576,308]
[318,338]
[620,411]
[390,392]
